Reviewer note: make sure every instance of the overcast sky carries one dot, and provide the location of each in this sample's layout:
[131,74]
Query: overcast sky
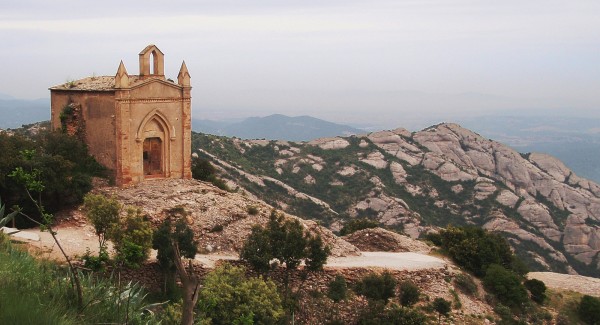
[381,62]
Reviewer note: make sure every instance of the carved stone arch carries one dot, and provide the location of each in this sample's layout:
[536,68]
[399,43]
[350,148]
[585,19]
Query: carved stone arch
[161,119]
[155,131]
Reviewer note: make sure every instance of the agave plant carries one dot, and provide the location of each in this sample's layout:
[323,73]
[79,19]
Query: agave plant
[5,220]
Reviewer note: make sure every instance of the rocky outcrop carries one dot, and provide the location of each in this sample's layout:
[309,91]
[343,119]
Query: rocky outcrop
[389,176]
[220,219]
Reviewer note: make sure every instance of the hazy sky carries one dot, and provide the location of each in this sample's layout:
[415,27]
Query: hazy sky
[376,61]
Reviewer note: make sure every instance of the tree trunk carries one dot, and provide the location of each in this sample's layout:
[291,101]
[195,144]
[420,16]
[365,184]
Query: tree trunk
[190,283]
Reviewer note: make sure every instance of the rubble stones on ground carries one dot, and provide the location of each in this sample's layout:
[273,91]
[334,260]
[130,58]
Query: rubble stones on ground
[382,240]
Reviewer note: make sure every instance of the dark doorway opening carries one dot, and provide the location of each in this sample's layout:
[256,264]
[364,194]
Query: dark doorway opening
[153,157]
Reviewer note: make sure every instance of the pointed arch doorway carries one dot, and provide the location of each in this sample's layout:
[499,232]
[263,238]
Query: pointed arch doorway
[153,157]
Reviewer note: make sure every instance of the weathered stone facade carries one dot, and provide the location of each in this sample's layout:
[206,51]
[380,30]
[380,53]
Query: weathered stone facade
[138,126]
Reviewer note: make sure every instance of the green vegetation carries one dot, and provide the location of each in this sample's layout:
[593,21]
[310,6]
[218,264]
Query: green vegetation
[132,238]
[476,249]
[170,234]
[203,170]
[285,241]
[409,293]
[338,289]
[376,314]
[589,310]
[103,213]
[358,224]
[465,284]
[537,289]
[61,163]
[37,292]
[228,297]
[377,287]
[442,307]
[506,286]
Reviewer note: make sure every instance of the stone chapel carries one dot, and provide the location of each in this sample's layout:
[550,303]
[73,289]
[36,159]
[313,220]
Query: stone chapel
[138,126]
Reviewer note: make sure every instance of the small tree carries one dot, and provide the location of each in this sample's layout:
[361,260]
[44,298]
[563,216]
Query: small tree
[162,239]
[537,289]
[285,242]
[338,289]
[132,238]
[442,307]
[228,297]
[589,310]
[175,241]
[103,213]
[409,293]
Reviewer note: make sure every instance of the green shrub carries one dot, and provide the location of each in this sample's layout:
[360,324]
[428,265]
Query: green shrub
[589,310]
[356,225]
[409,293]
[285,241]
[465,284]
[377,314]
[132,238]
[217,228]
[228,297]
[338,289]
[252,210]
[505,285]
[537,289]
[442,307]
[475,249]
[377,287]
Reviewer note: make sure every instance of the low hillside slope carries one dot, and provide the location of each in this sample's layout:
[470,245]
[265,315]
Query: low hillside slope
[417,181]
[221,220]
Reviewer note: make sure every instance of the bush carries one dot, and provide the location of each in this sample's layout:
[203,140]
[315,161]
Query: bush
[338,289]
[132,238]
[475,249]
[505,285]
[285,241]
[465,284]
[377,314]
[589,310]
[103,213]
[409,293]
[64,165]
[537,289]
[356,225]
[252,210]
[377,287]
[228,297]
[441,306]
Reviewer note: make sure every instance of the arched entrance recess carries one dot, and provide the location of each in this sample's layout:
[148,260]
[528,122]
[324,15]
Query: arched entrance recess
[154,134]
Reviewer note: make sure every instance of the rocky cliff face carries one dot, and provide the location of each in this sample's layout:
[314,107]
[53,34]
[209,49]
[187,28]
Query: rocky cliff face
[418,181]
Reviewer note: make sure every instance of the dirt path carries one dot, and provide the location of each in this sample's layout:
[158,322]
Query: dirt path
[77,239]
[586,285]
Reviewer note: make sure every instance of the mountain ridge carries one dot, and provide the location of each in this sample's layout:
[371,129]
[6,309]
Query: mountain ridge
[276,127]
[418,181]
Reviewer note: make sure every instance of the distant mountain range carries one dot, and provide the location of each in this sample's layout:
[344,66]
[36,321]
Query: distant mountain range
[276,127]
[575,141]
